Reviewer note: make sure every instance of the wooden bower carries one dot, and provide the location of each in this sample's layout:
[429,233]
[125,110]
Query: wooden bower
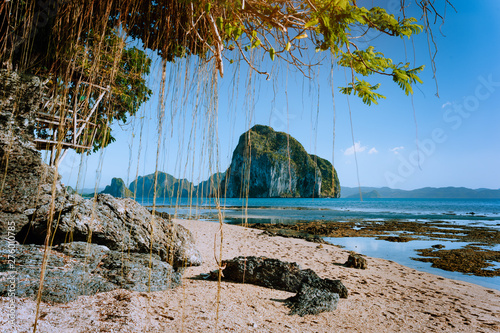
[62,125]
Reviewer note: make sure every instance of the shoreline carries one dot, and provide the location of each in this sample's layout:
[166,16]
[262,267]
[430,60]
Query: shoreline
[385,297]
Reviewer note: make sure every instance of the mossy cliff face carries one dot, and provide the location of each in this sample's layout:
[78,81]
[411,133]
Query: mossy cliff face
[263,167]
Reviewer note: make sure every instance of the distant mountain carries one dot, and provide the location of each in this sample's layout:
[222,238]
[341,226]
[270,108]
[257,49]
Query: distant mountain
[208,188]
[424,193]
[118,189]
[167,186]
[366,195]
[269,164]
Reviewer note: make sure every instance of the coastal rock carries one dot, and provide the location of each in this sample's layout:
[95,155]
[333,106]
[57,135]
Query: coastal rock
[314,294]
[78,268]
[265,272]
[277,274]
[120,224]
[123,231]
[118,189]
[163,215]
[356,261]
[26,180]
[310,301]
[267,164]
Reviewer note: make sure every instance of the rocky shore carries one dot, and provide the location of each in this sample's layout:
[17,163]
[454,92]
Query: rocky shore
[76,246]
[474,258]
[383,297]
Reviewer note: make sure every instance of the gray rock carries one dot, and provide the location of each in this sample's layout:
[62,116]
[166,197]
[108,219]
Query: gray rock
[314,294]
[277,274]
[120,224]
[311,300]
[26,180]
[356,261]
[79,268]
[334,286]
[123,232]
[265,272]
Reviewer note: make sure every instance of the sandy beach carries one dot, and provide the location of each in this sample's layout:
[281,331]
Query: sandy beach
[386,297]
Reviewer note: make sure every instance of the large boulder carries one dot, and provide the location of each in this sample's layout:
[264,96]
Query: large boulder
[119,224]
[312,300]
[314,294]
[75,269]
[26,181]
[277,274]
[355,260]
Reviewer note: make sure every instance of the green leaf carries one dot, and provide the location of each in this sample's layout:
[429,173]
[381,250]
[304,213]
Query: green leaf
[304,35]
[271,53]
[311,23]
[220,22]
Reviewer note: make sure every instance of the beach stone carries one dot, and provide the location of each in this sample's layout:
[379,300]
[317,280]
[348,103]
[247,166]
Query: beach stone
[314,294]
[265,272]
[311,301]
[277,274]
[119,224]
[79,268]
[163,215]
[356,261]
[312,279]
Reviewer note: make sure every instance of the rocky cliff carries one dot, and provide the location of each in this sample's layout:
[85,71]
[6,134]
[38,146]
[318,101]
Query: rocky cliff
[96,244]
[118,189]
[268,164]
[209,188]
[26,181]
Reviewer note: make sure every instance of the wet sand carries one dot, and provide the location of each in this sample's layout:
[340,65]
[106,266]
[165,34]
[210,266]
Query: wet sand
[386,297]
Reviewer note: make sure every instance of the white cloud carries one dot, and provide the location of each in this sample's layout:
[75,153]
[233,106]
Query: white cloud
[445,105]
[373,151]
[396,150]
[358,148]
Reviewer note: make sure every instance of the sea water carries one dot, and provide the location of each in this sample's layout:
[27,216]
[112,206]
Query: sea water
[473,212]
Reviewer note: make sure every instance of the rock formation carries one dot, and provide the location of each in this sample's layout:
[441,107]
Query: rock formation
[102,243]
[314,294]
[267,164]
[118,189]
[167,186]
[356,261]
[209,188]
[119,224]
[277,274]
[25,180]
[79,268]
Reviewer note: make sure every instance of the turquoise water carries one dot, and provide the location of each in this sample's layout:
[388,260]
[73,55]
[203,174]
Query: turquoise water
[476,212]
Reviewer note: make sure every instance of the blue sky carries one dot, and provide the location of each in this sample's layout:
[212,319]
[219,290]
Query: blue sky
[458,133]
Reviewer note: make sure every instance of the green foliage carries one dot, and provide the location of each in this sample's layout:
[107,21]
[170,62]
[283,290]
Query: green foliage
[364,90]
[125,77]
[49,38]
